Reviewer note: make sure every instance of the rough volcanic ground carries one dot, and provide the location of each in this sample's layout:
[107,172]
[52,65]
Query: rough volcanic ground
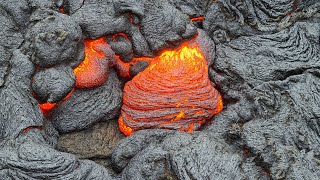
[264,59]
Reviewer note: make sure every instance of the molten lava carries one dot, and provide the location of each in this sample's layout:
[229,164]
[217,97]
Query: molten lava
[93,70]
[174,92]
[200,18]
[46,107]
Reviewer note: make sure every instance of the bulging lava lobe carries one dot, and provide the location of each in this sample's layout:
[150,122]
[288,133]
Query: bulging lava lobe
[93,70]
[174,92]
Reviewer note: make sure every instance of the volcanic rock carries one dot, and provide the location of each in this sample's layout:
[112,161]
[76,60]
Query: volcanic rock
[227,19]
[139,43]
[4,64]
[122,47]
[53,84]
[29,157]
[152,154]
[192,8]
[266,67]
[163,25]
[96,142]
[132,6]
[87,106]
[138,67]
[55,38]
[17,104]
[10,37]
[71,6]
[98,20]
[277,74]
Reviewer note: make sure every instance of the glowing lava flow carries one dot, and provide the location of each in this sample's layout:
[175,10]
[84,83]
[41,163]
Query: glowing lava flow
[174,92]
[46,107]
[200,18]
[93,70]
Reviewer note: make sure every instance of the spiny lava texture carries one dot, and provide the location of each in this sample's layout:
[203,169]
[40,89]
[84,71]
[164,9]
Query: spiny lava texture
[174,92]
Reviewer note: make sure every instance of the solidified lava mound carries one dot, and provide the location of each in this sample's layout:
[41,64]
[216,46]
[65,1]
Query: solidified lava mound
[69,69]
[174,92]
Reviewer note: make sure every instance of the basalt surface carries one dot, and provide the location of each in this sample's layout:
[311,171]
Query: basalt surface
[58,117]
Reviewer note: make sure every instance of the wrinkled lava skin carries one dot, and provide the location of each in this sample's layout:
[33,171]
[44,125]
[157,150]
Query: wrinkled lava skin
[174,92]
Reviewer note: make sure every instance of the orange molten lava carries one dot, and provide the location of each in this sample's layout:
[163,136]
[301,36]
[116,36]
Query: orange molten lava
[174,92]
[93,70]
[45,107]
[200,18]
[61,9]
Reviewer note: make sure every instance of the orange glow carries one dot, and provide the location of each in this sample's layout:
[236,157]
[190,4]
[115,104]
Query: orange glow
[45,107]
[93,70]
[61,10]
[126,130]
[30,128]
[131,19]
[173,92]
[200,18]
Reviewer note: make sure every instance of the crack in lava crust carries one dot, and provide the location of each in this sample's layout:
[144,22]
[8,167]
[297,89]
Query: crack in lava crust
[174,92]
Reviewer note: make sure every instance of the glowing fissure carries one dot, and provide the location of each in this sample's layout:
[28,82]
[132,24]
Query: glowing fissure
[46,107]
[200,18]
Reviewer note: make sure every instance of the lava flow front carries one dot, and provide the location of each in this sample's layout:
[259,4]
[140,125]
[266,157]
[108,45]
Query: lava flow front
[92,71]
[174,92]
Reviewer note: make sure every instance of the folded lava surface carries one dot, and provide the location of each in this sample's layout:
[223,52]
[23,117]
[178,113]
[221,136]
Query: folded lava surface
[174,92]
